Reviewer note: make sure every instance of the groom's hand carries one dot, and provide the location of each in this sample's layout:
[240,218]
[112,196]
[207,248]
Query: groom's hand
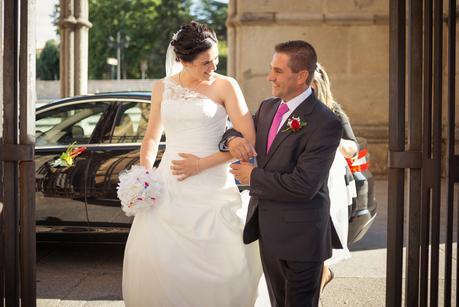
[242,171]
[241,149]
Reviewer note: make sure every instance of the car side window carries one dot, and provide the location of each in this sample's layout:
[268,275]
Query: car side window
[68,124]
[131,122]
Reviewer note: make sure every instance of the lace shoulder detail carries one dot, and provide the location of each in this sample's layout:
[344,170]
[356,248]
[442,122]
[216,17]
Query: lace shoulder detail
[174,91]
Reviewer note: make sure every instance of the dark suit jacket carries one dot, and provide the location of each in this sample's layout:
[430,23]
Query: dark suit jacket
[289,207]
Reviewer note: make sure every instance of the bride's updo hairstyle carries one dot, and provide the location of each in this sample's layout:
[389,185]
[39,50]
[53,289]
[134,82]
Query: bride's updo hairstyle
[192,39]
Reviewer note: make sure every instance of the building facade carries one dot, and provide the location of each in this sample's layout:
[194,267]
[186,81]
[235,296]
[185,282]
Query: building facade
[351,38]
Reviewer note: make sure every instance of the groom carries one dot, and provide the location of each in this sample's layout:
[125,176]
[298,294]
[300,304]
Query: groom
[289,211]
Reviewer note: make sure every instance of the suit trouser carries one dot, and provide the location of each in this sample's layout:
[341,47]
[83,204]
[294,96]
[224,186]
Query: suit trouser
[291,283]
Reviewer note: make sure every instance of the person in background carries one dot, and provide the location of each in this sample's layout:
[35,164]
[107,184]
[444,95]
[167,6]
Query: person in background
[341,184]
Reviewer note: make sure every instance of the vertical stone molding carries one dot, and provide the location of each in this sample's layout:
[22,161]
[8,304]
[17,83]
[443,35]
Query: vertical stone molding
[81,46]
[231,36]
[67,51]
[74,27]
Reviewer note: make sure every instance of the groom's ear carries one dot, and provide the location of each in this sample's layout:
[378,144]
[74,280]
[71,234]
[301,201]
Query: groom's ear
[303,76]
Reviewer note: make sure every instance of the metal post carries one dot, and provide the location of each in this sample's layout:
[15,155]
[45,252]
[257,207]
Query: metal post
[437,120]
[2,223]
[396,144]
[118,56]
[27,168]
[423,157]
[10,136]
[427,181]
[414,145]
[119,44]
[450,154]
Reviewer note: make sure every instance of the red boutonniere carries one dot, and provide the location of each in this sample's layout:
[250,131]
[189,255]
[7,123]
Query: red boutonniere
[295,124]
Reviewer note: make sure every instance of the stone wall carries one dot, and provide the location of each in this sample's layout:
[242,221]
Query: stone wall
[352,42]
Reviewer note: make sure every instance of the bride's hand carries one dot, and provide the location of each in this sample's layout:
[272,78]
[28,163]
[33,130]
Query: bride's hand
[185,168]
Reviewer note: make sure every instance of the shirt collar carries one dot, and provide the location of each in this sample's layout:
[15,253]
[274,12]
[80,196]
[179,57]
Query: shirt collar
[296,101]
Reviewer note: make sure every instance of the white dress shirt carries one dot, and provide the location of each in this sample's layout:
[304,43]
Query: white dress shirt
[293,104]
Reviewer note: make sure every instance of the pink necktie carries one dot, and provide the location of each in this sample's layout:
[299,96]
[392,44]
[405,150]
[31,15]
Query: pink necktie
[283,108]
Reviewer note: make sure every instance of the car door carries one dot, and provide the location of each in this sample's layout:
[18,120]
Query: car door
[118,151]
[60,191]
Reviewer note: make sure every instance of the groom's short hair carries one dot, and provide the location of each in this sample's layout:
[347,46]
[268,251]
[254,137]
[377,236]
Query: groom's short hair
[302,56]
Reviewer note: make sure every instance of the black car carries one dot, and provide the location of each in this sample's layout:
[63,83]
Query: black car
[79,203]
[362,212]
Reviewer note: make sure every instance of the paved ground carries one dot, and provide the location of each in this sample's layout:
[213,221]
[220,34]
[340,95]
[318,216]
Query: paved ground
[91,276]
[360,281]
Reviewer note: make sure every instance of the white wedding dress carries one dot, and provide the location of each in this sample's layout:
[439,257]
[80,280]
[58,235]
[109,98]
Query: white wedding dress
[340,198]
[188,249]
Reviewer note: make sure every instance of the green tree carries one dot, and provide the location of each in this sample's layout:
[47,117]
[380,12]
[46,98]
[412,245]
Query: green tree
[48,62]
[148,23]
[214,13]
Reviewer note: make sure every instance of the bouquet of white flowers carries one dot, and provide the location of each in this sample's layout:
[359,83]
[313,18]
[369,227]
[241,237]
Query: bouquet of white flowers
[138,189]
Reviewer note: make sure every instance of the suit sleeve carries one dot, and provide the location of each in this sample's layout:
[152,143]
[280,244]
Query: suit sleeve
[222,146]
[309,174]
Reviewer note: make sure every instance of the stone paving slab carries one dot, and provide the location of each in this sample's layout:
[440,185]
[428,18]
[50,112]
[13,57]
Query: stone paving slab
[355,292]
[79,276]
[91,275]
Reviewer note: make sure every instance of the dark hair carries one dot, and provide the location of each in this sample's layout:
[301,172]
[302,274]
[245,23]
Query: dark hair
[302,56]
[192,39]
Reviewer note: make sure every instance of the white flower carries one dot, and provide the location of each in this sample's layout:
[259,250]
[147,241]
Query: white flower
[138,189]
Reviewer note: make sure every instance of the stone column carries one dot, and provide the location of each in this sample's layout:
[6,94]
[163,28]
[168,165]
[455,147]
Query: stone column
[231,32]
[67,61]
[81,46]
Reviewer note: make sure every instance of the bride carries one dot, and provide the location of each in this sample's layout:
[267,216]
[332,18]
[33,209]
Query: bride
[188,249]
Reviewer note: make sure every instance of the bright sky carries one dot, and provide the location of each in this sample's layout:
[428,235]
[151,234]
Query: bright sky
[45,29]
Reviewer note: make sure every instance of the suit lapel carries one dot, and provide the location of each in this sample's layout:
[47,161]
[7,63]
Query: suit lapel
[304,109]
[263,128]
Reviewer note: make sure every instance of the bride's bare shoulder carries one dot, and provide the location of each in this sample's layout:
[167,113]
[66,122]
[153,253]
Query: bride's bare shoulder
[225,82]
[158,86]
[157,90]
